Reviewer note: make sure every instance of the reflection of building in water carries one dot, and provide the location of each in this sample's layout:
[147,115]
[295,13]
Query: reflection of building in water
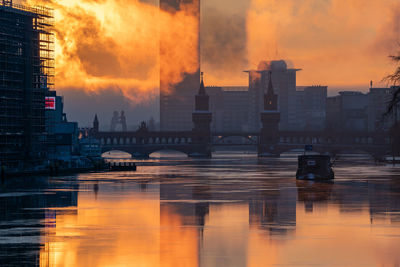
[310,192]
[384,201]
[33,211]
[194,231]
[183,212]
[381,198]
[274,210]
[187,202]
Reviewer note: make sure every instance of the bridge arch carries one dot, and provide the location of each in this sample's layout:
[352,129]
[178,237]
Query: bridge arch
[116,154]
[376,154]
[174,153]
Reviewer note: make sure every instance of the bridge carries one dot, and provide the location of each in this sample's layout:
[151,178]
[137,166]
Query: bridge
[270,141]
[142,143]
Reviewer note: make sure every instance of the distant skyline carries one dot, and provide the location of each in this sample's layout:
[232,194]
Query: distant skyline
[112,45]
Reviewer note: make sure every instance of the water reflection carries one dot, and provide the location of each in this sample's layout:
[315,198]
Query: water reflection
[28,207]
[234,210]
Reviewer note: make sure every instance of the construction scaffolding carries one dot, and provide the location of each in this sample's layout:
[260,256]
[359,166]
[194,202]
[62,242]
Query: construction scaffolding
[26,75]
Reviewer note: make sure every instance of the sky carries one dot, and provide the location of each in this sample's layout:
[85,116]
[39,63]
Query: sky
[107,50]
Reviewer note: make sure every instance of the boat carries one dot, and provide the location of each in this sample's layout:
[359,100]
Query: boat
[314,167]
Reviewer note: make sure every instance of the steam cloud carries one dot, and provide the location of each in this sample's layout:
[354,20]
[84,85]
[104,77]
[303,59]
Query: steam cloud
[114,44]
[336,42]
[223,41]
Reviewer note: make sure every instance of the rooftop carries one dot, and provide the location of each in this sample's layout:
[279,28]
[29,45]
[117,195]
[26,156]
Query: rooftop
[26,10]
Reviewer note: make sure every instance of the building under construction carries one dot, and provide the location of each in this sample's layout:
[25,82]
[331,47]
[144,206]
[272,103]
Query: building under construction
[26,75]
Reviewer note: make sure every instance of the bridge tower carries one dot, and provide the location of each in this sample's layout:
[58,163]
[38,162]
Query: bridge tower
[202,118]
[270,118]
[96,124]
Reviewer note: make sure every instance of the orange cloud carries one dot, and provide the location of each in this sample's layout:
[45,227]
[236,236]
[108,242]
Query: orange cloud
[115,44]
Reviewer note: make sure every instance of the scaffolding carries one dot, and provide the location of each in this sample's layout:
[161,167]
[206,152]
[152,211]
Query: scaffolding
[26,75]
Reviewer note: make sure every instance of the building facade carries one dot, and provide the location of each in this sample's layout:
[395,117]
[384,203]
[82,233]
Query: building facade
[177,100]
[230,108]
[26,74]
[62,136]
[378,99]
[311,108]
[238,108]
[348,112]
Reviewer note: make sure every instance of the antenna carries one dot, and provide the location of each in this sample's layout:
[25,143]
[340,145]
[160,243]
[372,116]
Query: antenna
[371,83]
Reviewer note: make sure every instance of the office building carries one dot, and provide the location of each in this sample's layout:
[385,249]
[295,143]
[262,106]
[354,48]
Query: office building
[230,107]
[26,74]
[311,108]
[348,112]
[378,100]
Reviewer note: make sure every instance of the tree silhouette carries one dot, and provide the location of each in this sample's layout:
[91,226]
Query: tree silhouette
[394,79]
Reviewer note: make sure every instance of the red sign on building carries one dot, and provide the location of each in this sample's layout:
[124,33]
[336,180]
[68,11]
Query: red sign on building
[50,102]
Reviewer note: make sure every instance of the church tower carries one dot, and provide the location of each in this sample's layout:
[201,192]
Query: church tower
[270,118]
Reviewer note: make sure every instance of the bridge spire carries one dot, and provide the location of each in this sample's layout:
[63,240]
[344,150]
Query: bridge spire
[202,90]
[270,98]
[202,99]
[270,118]
[96,123]
[202,118]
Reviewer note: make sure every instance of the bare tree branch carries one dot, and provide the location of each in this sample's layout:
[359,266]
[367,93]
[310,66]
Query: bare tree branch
[394,80]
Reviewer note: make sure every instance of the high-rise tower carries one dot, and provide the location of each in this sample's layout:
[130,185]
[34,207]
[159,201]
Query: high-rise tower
[176,99]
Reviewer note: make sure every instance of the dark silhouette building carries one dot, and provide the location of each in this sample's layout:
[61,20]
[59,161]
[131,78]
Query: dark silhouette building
[26,74]
[96,123]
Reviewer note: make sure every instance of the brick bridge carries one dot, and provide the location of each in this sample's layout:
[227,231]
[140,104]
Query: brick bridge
[142,143]
[270,141]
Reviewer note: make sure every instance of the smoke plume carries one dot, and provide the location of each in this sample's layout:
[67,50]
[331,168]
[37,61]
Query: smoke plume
[223,41]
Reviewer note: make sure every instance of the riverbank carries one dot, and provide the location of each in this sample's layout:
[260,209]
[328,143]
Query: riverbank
[51,172]
[55,170]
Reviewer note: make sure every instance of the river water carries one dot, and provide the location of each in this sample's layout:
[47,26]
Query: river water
[232,210]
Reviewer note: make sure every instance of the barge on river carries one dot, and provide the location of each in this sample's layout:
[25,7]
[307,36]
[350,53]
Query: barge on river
[314,167]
